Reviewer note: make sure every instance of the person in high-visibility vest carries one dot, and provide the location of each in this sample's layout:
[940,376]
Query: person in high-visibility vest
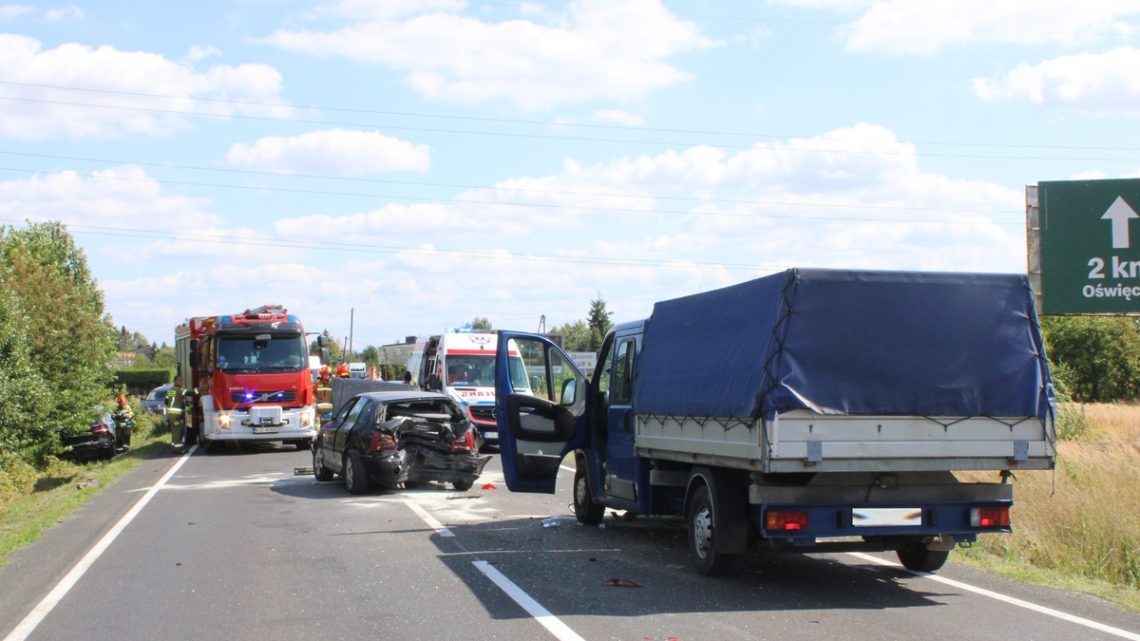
[174,412]
[323,391]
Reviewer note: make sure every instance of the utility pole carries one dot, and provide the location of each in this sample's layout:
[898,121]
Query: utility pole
[351,320]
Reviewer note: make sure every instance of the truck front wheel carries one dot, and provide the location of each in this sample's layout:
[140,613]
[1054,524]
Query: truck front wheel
[915,557]
[585,509]
[700,515]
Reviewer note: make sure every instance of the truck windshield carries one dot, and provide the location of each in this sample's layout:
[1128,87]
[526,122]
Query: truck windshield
[246,353]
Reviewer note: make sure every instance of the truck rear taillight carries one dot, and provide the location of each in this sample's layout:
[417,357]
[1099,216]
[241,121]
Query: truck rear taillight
[776,521]
[989,517]
[382,442]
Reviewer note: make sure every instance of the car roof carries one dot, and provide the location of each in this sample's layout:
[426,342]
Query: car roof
[397,396]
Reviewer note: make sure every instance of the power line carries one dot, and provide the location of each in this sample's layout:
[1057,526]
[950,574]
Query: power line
[584,139]
[594,209]
[362,248]
[529,190]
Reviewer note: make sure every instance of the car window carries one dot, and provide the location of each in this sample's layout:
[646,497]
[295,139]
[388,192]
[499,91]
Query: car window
[357,408]
[348,407]
[423,407]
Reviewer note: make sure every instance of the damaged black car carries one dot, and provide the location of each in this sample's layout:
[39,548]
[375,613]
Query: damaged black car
[395,438]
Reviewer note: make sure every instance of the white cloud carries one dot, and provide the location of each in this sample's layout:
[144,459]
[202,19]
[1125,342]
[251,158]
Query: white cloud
[908,27]
[198,53]
[119,197]
[1100,83]
[820,201]
[40,112]
[335,151]
[583,55]
[13,11]
[619,117]
[70,12]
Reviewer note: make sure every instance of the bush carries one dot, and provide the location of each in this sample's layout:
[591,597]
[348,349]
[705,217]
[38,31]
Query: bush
[141,381]
[1071,422]
[16,476]
[1101,355]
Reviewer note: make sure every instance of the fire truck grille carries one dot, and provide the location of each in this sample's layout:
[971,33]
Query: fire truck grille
[273,396]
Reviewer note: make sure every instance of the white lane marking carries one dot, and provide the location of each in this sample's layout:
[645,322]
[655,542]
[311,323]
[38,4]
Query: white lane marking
[429,519]
[543,616]
[48,603]
[1124,634]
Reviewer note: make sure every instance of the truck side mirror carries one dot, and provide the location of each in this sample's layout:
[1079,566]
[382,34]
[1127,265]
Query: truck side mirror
[569,392]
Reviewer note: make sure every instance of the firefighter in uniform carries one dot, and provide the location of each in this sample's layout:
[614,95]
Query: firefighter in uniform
[174,412]
[323,392]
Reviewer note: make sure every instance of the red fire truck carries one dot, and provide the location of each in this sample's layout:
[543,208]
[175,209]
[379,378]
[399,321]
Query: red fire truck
[248,376]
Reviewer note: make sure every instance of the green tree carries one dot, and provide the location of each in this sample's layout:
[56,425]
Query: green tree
[70,339]
[576,336]
[371,356]
[23,394]
[480,322]
[599,321]
[1098,356]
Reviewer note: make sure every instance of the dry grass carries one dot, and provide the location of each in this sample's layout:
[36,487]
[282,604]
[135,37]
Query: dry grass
[1082,521]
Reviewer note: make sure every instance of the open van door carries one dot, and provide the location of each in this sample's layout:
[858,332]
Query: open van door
[540,397]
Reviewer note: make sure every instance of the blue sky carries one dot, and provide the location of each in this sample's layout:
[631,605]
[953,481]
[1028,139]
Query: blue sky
[424,163]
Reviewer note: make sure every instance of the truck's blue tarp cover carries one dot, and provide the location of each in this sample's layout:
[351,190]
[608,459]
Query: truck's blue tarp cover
[847,342]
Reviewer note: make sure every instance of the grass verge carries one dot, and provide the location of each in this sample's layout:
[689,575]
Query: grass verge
[1077,527]
[64,486]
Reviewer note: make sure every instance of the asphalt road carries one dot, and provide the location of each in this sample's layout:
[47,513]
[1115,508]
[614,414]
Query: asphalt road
[234,546]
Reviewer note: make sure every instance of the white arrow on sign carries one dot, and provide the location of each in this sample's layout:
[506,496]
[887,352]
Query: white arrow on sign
[1119,213]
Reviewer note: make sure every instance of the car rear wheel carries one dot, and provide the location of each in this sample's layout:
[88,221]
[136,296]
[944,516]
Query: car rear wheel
[462,486]
[321,472]
[355,478]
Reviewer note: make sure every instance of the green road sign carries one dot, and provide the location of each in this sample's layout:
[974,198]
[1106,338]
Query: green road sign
[1090,246]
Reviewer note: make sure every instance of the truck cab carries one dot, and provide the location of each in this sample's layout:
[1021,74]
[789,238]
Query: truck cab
[563,411]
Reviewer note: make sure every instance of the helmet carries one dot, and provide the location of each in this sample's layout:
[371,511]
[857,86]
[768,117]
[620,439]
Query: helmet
[325,373]
[342,370]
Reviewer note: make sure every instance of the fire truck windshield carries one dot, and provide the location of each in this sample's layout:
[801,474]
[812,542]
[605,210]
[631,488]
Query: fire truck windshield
[248,353]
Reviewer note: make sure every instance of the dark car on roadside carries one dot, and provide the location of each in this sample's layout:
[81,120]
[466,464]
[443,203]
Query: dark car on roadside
[398,438]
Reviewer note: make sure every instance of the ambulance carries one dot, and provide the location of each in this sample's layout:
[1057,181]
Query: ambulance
[461,363]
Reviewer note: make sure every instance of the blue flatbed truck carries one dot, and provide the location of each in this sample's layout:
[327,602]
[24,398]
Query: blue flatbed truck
[810,410]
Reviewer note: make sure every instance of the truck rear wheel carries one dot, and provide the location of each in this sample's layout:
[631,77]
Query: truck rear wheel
[700,516]
[585,509]
[915,557]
